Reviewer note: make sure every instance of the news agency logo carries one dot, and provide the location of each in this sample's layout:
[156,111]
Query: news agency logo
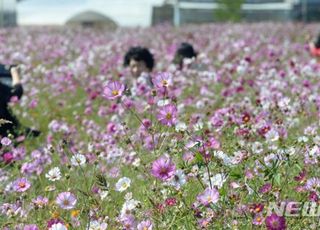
[294,209]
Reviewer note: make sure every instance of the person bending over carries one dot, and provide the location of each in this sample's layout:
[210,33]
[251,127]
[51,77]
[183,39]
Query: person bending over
[315,48]
[9,123]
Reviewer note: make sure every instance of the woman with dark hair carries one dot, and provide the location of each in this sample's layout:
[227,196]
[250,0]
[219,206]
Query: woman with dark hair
[140,62]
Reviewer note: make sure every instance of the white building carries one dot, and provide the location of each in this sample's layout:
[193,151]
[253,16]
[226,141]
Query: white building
[7,13]
[200,11]
[58,12]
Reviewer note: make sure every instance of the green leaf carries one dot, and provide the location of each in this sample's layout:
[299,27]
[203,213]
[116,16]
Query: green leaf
[277,179]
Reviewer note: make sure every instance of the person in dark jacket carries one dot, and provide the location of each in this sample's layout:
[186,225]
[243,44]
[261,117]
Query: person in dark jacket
[184,51]
[9,123]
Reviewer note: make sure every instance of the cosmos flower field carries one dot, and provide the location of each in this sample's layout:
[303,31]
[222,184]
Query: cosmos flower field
[210,146]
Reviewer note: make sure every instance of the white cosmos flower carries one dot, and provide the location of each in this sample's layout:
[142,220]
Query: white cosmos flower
[198,126]
[122,184]
[129,205]
[224,157]
[178,179]
[103,194]
[181,126]
[58,226]
[303,139]
[128,196]
[97,225]
[78,160]
[269,159]
[163,102]
[284,103]
[136,162]
[216,180]
[54,174]
[257,148]
[272,135]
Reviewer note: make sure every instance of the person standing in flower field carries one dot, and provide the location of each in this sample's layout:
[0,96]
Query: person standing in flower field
[315,48]
[140,62]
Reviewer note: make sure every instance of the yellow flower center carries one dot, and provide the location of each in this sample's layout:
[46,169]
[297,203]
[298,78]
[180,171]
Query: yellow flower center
[66,202]
[55,214]
[124,185]
[168,116]
[164,83]
[75,213]
[115,92]
[22,184]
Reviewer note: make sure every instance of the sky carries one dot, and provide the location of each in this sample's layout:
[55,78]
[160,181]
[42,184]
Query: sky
[57,12]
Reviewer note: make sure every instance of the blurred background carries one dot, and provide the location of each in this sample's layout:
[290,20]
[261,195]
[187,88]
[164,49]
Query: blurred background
[128,13]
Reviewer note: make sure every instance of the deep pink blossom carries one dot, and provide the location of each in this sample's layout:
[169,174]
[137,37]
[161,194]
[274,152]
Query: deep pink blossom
[163,168]
[275,222]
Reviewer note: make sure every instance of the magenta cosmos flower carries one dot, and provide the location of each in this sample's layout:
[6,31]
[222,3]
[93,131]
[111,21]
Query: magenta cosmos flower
[163,168]
[113,90]
[275,222]
[168,115]
[209,196]
[162,80]
[66,200]
[21,185]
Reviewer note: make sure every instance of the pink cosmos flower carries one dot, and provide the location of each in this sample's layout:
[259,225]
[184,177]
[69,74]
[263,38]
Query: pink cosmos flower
[31,227]
[210,195]
[162,80]
[145,225]
[163,168]
[33,104]
[168,115]
[212,143]
[21,185]
[113,90]
[258,219]
[312,184]
[66,200]
[40,201]
[6,141]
